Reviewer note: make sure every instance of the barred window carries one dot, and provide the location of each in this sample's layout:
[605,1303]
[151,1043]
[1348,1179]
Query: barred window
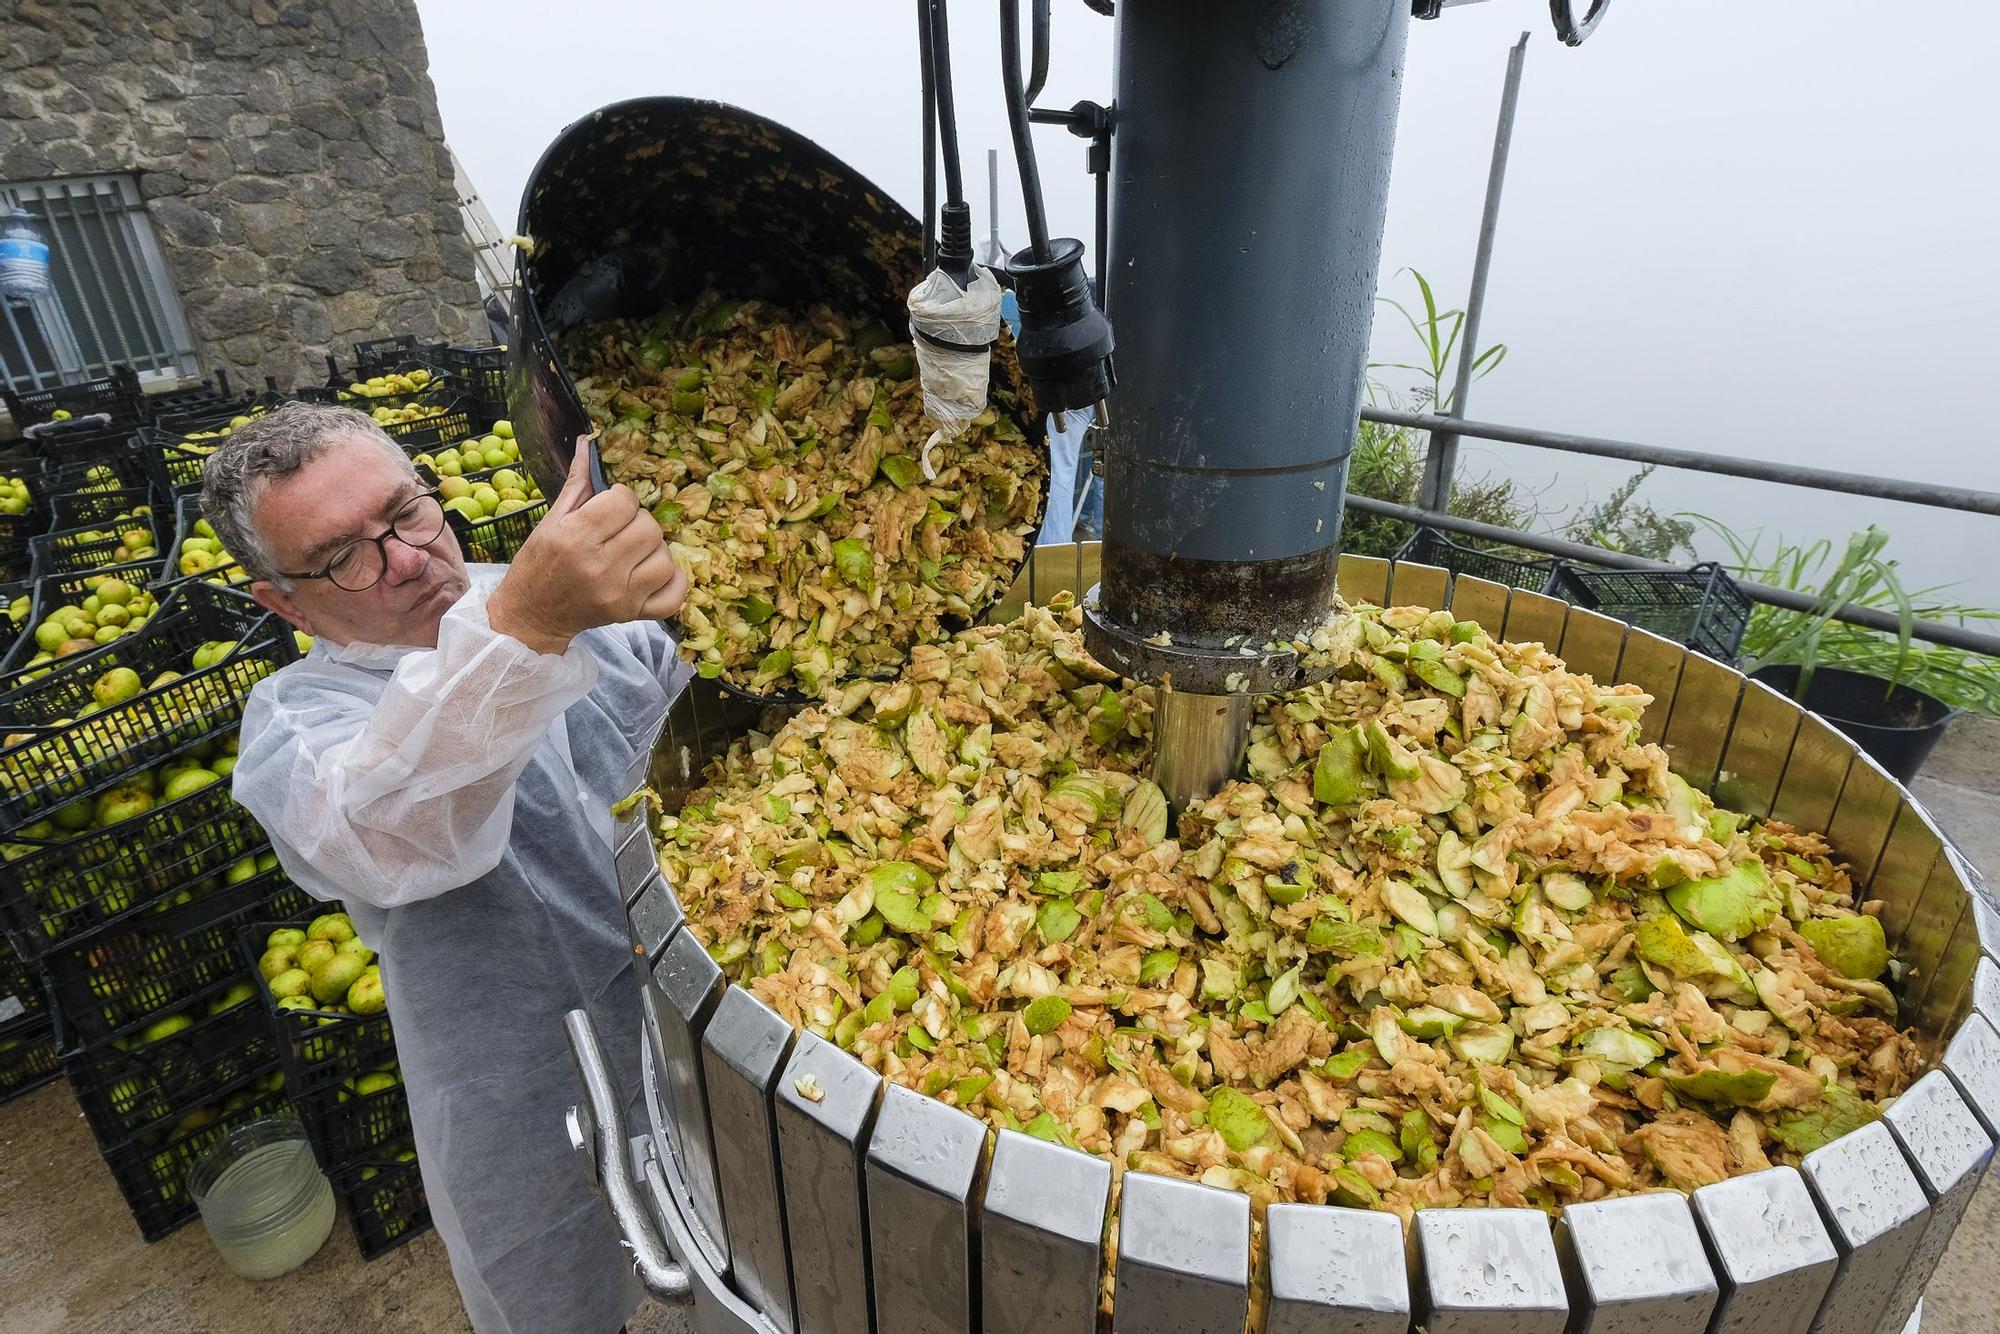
[111,303]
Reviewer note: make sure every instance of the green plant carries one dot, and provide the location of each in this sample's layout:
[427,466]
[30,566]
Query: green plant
[1618,523]
[1859,575]
[1437,337]
[1388,464]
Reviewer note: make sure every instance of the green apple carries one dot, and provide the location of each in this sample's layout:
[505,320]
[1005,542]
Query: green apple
[366,995]
[355,947]
[292,982]
[277,959]
[377,1083]
[165,1028]
[285,936]
[331,979]
[333,926]
[122,803]
[316,952]
[189,780]
[504,429]
[296,1003]
[240,871]
[232,998]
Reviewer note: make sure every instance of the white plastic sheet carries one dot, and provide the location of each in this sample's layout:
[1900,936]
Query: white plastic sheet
[954,383]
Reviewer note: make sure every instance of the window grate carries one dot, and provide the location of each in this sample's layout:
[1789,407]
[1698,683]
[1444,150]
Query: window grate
[112,303]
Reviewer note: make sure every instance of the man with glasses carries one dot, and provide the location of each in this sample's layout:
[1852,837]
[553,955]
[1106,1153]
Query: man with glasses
[444,761]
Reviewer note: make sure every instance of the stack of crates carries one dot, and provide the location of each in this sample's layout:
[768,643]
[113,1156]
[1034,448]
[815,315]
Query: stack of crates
[27,1032]
[342,1073]
[131,869]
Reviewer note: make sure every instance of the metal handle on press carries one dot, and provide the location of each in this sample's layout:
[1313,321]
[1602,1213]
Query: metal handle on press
[1569,27]
[597,1133]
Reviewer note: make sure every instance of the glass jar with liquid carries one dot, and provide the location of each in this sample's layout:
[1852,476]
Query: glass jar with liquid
[267,1206]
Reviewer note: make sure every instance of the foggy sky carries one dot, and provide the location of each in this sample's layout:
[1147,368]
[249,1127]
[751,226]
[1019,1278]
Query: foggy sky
[1753,229]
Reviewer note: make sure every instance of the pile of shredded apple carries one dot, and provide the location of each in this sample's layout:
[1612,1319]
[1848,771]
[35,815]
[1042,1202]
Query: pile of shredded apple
[781,453]
[1457,938]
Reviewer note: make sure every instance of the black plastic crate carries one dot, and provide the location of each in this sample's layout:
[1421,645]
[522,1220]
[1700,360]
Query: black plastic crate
[17,530]
[151,1169]
[102,508]
[59,762]
[321,1049]
[65,590]
[1700,607]
[347,1128]
[95,546]
[481,371]
[459,417]
[28,1057]
[175,449]
[116,394]
[17,638]
[23,1000]
[385,1204]
[124,469]
[494,541]
[422,371]
[207,395]
[53,892]
[112,984]
[228,574]
[1428,546]
[147,1087]
[373,354]
[85,441]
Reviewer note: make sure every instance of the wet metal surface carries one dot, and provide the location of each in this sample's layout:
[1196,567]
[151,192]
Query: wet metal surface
[1753,763]
[825,1102]
[1183,1257]
[742,1052]
[654,915]
[688,986]
[1704,706]
[1972,1059]
[1335,1269]
[924,1163]
[1486,1271]
[1533,618]
[1480,601]
[1770,1253]
[1654,665]
[1950,1151]
[1041,1237]
[1635,1266]
[1413,585]
[1591,644]
[1876,1214]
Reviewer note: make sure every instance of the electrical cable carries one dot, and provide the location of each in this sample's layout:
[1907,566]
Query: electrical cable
[1017,122]
[931,133]
[940,25]
[1038,62]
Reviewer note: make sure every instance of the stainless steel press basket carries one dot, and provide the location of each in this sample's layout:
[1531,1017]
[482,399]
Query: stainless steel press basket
[876,1208]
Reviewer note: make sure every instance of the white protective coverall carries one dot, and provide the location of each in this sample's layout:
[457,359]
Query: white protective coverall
[457,799]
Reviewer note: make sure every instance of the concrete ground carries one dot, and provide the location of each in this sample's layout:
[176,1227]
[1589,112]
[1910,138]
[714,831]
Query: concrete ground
[71,1260]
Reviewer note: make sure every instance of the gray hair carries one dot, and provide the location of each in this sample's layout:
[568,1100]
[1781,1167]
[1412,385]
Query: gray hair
[269,449]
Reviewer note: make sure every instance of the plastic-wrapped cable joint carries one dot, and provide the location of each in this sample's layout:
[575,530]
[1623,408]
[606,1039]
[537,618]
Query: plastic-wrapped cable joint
[954,381]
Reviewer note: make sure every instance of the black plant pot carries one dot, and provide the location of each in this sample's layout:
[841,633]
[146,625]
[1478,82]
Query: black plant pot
[1898,726]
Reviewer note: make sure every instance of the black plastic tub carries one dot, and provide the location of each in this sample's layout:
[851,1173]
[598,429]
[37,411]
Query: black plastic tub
[1895,724]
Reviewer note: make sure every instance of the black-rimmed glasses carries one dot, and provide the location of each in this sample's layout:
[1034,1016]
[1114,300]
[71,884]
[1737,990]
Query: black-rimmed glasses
[358,566]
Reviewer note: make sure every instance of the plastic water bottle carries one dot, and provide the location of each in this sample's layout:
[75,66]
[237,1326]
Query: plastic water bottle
[24,258]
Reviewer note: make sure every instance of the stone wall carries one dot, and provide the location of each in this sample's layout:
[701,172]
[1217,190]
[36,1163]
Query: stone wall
[290,156]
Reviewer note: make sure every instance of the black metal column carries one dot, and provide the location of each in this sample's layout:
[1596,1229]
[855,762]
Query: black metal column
[1250,169]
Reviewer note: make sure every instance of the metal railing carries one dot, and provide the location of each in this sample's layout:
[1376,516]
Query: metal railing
[113,303]
[1963,499]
